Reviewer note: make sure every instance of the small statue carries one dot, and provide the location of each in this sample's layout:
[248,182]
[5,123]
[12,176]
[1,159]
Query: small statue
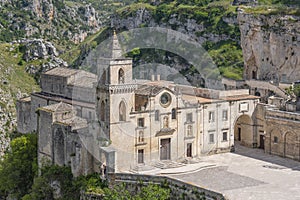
[166,122]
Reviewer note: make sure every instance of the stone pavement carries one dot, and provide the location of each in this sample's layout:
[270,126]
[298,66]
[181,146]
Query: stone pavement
[244,175]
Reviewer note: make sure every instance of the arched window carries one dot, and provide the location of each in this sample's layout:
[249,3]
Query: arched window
[141,137]
[122,111]
[102,111]
[103,77]
[121,76]
[173,113]
[189,130]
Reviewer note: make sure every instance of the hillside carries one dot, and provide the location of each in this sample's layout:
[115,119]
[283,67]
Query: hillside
[76,27]
[15,83]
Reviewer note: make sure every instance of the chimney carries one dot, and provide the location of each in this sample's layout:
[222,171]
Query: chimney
[152,77]
[158,77]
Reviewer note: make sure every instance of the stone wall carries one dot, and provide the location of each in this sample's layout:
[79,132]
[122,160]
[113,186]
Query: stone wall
[179,189]
[23,115]
[283,134]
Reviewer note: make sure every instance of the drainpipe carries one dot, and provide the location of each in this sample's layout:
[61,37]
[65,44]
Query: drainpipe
[217,125]
[150,126]
[177,122]
[203,107]
[230,131]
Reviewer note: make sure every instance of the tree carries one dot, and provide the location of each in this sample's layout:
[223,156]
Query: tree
[151,191]
[19,166]
[296,90]
[154,192]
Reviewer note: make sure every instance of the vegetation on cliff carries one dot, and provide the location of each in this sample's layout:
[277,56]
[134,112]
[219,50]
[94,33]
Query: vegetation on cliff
[275,7]
[219,29]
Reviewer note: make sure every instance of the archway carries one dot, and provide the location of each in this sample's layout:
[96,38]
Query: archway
[290,148]
[243,130]
[121,76]
[122,111]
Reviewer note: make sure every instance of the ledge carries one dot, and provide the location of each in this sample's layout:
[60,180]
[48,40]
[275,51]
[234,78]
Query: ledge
[165,131]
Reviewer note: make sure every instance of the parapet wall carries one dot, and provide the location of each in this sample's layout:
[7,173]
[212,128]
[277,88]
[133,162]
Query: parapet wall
[179,189]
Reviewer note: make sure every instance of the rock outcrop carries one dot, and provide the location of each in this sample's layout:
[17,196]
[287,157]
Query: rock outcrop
[51,19]
[271,46]
[197,30]
[38,49]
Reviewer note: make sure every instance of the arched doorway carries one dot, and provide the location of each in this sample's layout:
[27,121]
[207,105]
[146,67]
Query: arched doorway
[243,130]
[290,150]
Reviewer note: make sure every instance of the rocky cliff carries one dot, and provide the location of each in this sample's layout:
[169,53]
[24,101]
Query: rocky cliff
[51,19]
[214,26]
[197,29]
[15,84]
[271,46]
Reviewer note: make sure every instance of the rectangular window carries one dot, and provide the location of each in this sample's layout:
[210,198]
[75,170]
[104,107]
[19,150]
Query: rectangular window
[211,116]
[225,136]
[275,139]
[244,107]
[156,115]
[173,113]
[225,115]
[141,122]
[211,138]
[189,117]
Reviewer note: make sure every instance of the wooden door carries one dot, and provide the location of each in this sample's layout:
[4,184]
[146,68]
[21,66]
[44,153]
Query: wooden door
[189,150]
[165,149]
[141,156]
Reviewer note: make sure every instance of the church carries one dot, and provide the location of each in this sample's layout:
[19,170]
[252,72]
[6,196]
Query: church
[84,120]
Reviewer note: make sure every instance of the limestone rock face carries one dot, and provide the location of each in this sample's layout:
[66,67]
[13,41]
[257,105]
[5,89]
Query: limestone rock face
[143,17]
[53,19]
[271,46]
[38,49]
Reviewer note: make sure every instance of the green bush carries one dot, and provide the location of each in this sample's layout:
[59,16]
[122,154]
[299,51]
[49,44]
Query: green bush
[19,166]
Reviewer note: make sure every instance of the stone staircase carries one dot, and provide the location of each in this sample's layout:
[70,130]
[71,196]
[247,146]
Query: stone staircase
[267,86]
[167,164]
[142,168]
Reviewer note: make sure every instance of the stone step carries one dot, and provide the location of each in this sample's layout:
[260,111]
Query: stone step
[165,164]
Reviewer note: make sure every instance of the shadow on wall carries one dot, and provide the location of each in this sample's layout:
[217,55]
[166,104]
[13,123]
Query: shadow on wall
[259,154]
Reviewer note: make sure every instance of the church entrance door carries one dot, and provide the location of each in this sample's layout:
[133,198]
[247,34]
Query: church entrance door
[165,149]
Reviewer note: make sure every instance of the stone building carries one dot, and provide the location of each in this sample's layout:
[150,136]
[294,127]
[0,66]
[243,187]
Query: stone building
[60,84]
[127,124]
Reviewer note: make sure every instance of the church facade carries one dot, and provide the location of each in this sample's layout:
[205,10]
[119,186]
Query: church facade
[132,123]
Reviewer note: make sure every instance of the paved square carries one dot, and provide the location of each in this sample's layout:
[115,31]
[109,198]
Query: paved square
[248,174]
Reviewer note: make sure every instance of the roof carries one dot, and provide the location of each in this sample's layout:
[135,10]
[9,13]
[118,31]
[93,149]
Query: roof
[58,107]
[25,99]
[149,90]
[84,79]
[196,99]
[61,71]
[65,100]
[75,122]
[240,97]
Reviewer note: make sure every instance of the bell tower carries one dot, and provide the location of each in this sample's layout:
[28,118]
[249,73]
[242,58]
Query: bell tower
[120,68]
[115,91]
